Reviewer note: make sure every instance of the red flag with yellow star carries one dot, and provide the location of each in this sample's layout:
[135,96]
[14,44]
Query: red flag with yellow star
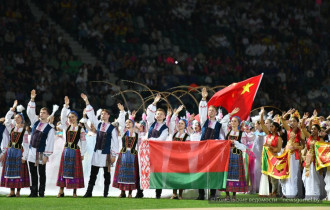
[239,95]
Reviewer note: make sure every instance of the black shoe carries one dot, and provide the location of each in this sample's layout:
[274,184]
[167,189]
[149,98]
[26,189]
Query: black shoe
[212,198]
[139,195]
[88,195]
[106,191]
[158,196]
[33,195]
[89,191]
[200,198]
[41,195]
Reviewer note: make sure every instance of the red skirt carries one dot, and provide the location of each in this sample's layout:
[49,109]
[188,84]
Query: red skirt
[22,182]
[78,180]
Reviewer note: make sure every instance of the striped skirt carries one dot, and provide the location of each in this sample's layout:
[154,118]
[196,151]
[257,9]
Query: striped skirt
[70,174]
[127,172]
[15,174]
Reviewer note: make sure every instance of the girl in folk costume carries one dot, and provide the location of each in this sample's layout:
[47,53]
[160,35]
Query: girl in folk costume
[295,144]
[141,129]
[236,181]
[179,134]
[274,145]
[195,131]
[15,172]
[127,169]
[312,180]
[70,173]
[249,157]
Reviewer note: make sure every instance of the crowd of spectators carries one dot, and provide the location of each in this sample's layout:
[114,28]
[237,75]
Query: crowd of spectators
[168,43]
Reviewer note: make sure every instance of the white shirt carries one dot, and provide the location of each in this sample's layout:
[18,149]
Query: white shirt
[31,112]
[203,117]
[151,111]
[6,135]
[99,159]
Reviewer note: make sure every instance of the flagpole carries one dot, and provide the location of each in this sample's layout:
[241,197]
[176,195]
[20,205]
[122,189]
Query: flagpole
[262,74]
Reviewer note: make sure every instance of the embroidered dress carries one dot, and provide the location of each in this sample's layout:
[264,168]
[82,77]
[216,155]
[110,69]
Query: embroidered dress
[236,180]
[127,168]
[15,174]
[70,174]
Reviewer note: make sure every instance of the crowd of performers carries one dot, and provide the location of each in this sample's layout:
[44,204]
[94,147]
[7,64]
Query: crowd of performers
[26,148]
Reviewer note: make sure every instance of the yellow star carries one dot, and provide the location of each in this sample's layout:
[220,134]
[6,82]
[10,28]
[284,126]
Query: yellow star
[246,88]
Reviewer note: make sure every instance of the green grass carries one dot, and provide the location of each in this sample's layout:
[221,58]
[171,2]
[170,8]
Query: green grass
[51,202]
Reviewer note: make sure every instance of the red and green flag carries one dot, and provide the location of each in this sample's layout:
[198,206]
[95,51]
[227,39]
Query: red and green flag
[322,154]
[184,165]
[275,166]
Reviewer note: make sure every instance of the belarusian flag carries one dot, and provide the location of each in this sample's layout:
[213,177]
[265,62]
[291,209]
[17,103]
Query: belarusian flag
[322,154]
[275,166]
[184,165]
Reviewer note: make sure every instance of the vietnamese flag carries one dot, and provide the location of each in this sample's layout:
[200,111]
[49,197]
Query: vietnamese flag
[184,165]
[239,95]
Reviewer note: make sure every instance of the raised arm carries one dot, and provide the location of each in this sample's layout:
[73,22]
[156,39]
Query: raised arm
[151,110]
[8,122]
[262,122]
[225,121]
[121,118]
[90,111]
[31,108]
[173,119]
[203,107]
[64,112]
[303,126]
[285,124]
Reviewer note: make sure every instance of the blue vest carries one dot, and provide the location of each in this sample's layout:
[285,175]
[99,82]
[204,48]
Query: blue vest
[2,130]
[152,127]
[106,149]
[44,136]
[216,129]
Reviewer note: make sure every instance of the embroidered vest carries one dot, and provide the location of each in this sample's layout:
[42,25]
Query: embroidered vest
[209,133]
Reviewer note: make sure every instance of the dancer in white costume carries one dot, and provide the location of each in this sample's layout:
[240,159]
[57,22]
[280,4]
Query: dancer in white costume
[295,144]
[274,144]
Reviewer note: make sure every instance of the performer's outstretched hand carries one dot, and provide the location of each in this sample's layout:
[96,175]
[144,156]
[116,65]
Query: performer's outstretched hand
[120,107]
[85,98]
[14,106]
[66,101]
[33,94]
[157,99]
[179,109]
[234,111]
[204,94]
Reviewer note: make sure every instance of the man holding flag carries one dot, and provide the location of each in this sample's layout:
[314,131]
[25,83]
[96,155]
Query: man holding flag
[211,129]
